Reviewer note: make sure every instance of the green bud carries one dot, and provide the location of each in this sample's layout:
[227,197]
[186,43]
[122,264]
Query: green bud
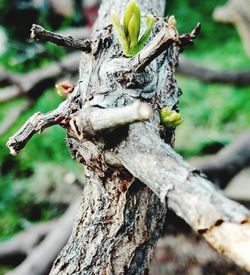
[133,31]
[170,118]
[119,32]
[128,34]
[127,15]
[149,21]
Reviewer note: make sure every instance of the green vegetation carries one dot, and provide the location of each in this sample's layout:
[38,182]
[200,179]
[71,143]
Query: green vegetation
[212,113]
[128,34]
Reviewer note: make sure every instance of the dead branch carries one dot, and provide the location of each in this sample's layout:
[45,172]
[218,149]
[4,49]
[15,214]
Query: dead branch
[40,34]
[40,258]
[92,120]
[37,123]
[225,224]
[188,68]
[166,37]
[228,162]
[236,12]
[87,121]
[33,84]
[182,253]
[13,115]
[23,243]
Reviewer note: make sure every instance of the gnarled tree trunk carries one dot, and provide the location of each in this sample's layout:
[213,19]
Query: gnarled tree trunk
[120,218]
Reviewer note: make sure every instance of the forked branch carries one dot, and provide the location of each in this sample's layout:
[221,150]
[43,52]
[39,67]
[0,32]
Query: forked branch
[37,123]
[89,121]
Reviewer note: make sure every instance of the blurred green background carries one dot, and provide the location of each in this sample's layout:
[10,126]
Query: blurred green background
[213,113]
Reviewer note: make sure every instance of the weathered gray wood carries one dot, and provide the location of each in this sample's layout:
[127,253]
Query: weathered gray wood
[40,34]
[224,223]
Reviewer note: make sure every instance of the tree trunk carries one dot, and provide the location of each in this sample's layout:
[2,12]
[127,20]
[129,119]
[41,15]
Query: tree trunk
[120,218]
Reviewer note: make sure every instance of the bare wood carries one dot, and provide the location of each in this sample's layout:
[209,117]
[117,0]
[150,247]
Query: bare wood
[165,38]
[228,162]
[237,78]
[225,224]
[33,84]
[41,257]
[40,34]
[13,115]
[24,242]
[92,120]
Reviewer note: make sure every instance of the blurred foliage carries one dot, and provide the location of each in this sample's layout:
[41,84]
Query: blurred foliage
[213,114]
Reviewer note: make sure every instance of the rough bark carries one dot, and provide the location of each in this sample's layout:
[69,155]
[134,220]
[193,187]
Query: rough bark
[120,218]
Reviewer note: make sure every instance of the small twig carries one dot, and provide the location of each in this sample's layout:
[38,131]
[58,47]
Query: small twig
[93,120]
[37,123]
[166,37]
[188,38]
[40,34]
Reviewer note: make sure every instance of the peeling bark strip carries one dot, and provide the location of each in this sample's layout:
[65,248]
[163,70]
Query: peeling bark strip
[120,218]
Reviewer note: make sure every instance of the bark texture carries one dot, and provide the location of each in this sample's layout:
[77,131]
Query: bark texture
[120,218]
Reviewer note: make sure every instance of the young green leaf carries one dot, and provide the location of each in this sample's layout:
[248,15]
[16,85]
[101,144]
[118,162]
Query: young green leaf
[149,22]
[119,32]
[127,15]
